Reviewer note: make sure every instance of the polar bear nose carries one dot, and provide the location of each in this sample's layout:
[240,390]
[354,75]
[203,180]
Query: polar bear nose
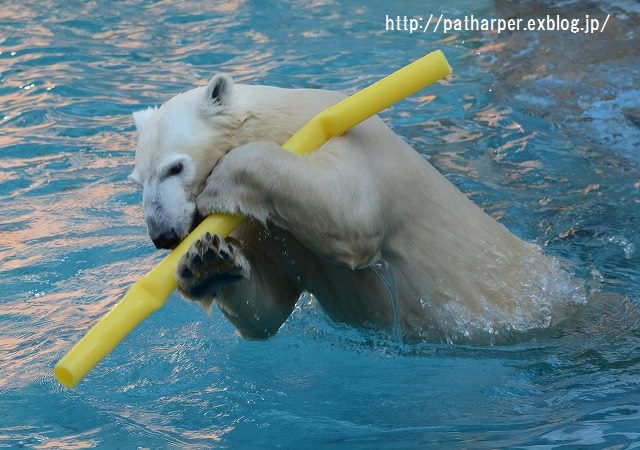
[168,240]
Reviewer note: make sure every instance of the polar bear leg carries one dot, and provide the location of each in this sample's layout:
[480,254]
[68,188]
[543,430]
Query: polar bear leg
[307,196]
[247,283]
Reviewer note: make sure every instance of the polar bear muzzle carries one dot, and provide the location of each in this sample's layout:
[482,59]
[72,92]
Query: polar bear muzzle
[169,238]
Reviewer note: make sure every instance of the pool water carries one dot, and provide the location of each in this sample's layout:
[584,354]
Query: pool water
[541,129]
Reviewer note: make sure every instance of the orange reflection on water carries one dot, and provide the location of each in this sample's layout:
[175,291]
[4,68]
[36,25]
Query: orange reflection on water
[57,220]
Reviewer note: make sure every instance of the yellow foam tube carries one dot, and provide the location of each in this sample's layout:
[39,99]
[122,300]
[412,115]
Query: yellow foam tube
[149,293]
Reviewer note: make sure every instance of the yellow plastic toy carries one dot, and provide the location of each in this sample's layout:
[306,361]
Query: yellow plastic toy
[149,293]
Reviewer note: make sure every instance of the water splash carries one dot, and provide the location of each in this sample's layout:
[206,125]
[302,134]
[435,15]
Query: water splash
[385,271]
[551,295]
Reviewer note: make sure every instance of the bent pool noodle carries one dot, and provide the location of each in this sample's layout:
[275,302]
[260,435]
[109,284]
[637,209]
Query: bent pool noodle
[149,293]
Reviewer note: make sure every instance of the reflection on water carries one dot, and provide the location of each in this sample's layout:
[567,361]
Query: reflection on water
[539,129]
[62,228]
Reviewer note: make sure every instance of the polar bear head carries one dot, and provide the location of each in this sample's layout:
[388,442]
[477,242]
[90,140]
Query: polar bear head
[178,146]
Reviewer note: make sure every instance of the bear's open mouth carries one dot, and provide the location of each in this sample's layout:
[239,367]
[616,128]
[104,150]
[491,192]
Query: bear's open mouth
[174,240]
[197,219]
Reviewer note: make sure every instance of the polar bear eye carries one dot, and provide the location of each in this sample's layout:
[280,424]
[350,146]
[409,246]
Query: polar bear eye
[176,169]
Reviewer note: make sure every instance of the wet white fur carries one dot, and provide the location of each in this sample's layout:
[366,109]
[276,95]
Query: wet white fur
[362,196]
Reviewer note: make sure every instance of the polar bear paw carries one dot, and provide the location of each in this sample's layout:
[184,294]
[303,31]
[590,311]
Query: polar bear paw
[210,264]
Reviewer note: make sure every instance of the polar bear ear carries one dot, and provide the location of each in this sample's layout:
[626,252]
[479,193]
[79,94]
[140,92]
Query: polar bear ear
[141,118]
[218,91]
[135,177]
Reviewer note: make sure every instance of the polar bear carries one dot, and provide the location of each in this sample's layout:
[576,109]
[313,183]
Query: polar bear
[365,223]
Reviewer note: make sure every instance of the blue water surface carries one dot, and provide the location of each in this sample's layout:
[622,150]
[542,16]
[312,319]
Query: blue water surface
[540,129]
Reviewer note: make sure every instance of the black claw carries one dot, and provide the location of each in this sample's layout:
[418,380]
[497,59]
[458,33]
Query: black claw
[216,240]
[186,273]
[224,255]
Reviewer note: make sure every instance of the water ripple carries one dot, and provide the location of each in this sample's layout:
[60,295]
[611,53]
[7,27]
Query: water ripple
[72,235]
